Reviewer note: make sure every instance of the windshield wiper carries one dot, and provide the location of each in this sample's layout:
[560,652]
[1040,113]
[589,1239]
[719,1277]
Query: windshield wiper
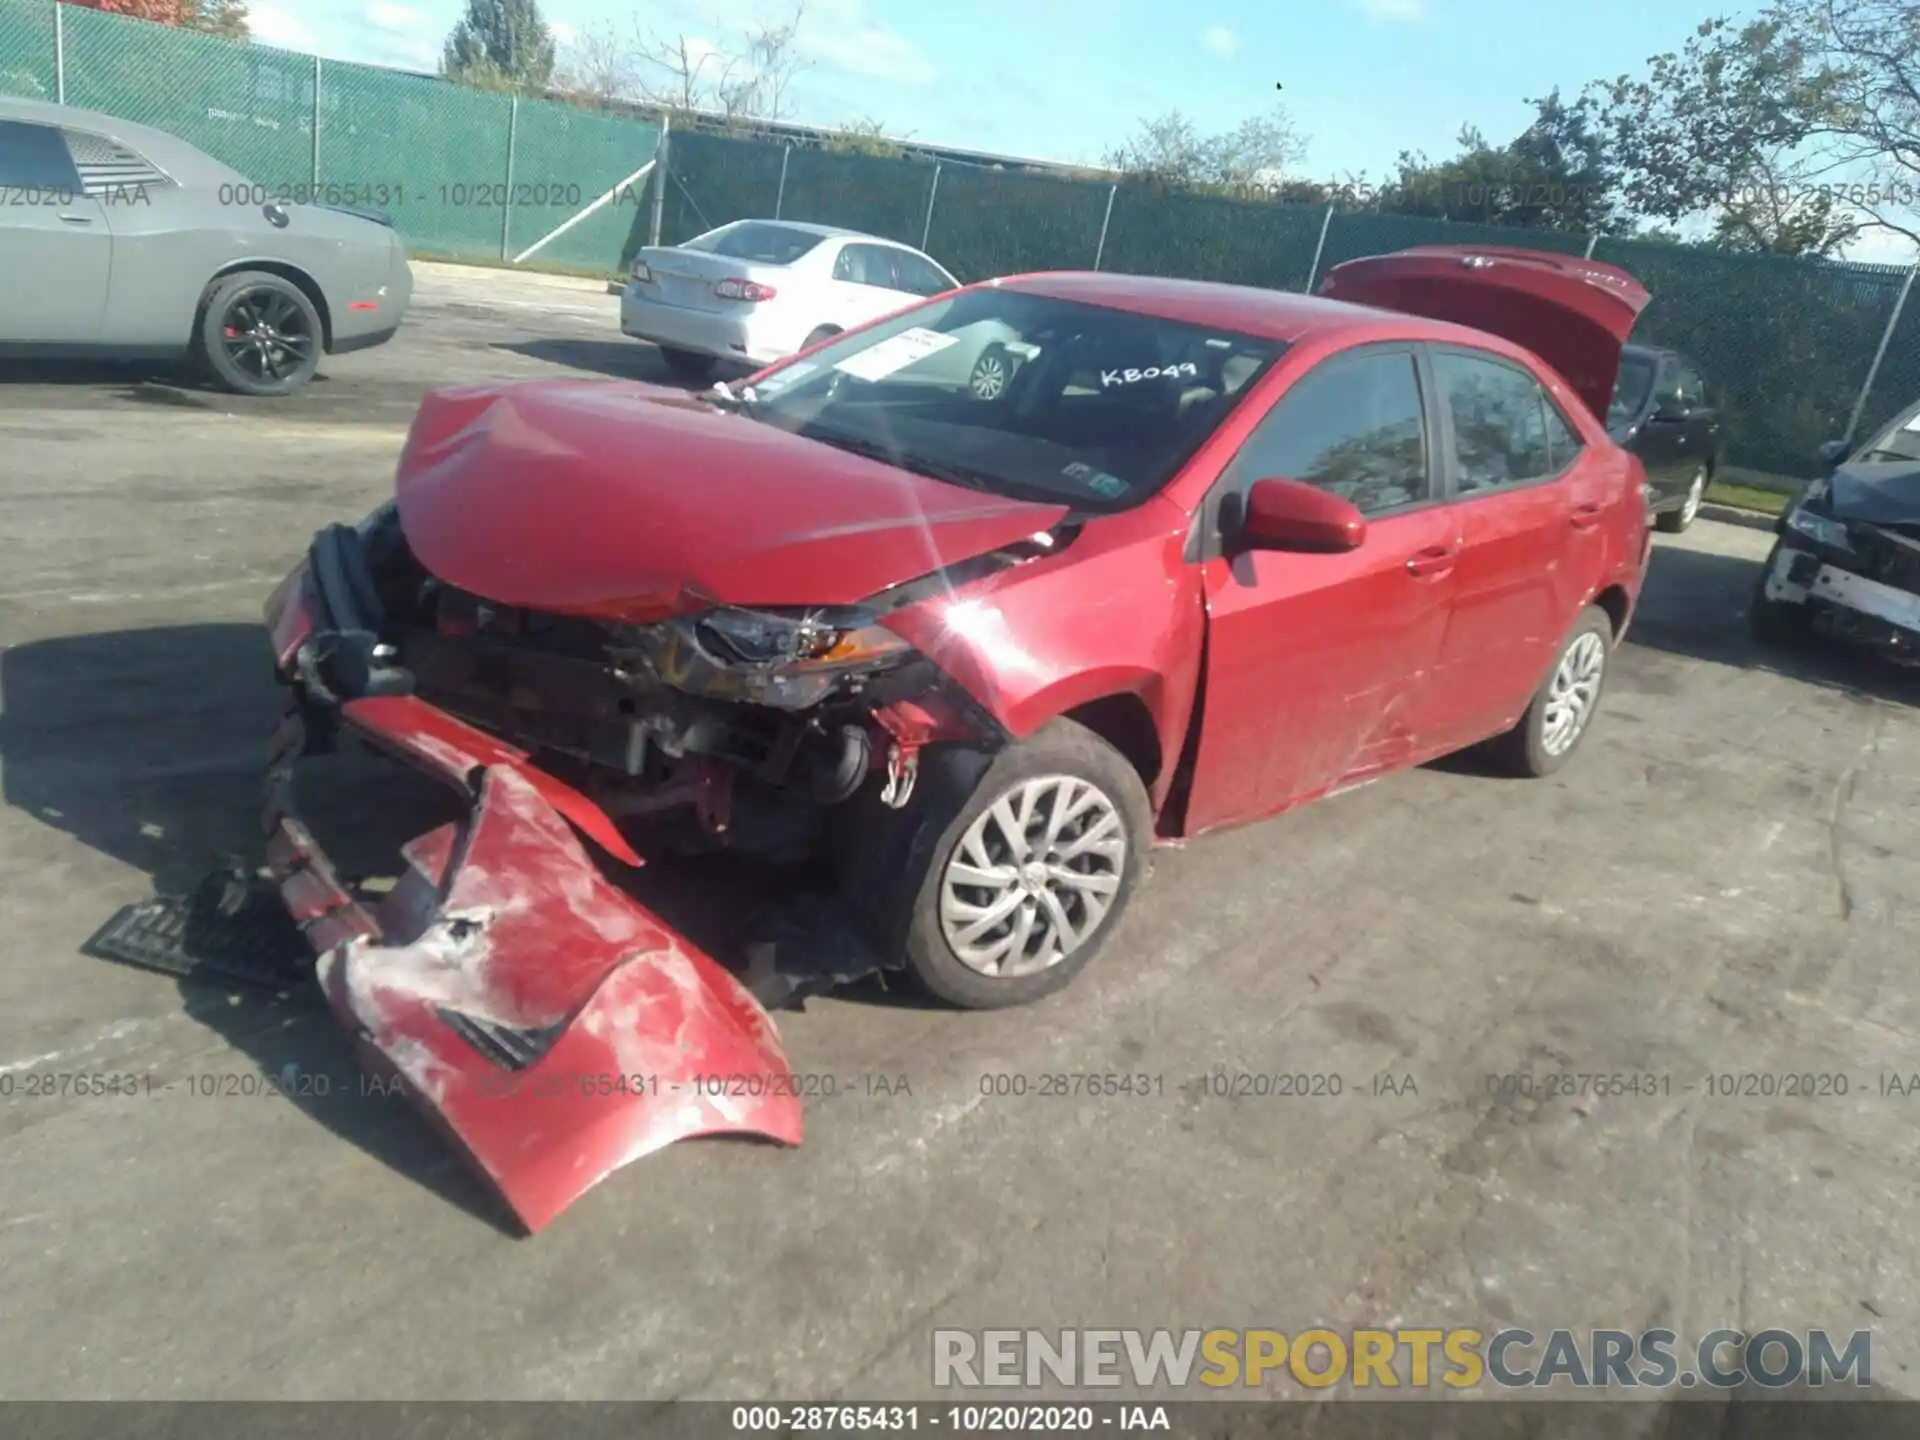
[874,450]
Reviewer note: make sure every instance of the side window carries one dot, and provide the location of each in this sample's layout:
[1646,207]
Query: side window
[1353,426]
[1563,441]
[108,168]
[866,265]
[1501,430]
[1693,390]
[34,156]
[1667,390]
[918,276]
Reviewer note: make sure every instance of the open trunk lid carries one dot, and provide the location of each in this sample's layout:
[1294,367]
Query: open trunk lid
[1575,314]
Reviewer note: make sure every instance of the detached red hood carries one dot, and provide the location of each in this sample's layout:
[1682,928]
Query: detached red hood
[616,500]
[1575,314]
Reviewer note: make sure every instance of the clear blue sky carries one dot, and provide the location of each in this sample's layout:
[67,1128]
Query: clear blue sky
[1066,79]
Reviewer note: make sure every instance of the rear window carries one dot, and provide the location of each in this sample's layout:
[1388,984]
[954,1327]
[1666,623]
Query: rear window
[34,157]
[1631,390]
[758,241]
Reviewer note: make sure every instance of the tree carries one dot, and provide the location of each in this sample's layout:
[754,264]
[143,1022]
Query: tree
[1555,175]
[1865,64]
[1732,127]
[1169,150]
[501,44]
[749,81]
[864,137]
[595,70]
[217,17]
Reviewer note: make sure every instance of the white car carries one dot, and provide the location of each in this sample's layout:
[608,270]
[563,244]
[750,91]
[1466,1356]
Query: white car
[756,291]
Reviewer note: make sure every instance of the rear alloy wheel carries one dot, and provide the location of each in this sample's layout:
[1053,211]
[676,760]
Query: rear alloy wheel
[260,334]
[1675,521]
[1032,875]
[688,364]
[1564,706]
[992,373]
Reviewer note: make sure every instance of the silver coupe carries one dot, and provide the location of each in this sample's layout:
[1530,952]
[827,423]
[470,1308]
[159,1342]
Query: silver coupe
[121,241]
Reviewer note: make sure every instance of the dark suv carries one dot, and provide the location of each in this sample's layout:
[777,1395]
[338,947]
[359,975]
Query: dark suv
[1664,412]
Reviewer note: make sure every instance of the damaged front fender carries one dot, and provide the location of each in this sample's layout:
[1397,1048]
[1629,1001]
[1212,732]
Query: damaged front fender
[553,1027]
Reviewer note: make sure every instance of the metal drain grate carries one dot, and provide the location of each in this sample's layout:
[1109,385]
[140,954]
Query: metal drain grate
[191,936]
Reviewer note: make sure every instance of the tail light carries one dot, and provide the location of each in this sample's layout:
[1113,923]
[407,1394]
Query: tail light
[642,272]
[750,290]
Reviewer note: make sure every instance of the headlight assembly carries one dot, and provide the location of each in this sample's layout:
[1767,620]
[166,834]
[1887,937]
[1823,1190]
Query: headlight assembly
[789,659]
[1817,527]
[796,638]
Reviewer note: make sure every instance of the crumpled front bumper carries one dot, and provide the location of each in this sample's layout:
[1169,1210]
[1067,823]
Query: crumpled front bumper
[552,1026]
[1844,601]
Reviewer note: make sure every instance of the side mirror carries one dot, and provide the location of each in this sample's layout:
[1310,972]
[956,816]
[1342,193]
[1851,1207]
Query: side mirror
[1833,452]
[1288,515]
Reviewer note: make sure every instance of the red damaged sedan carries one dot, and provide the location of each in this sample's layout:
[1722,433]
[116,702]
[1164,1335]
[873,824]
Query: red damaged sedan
[1197,554]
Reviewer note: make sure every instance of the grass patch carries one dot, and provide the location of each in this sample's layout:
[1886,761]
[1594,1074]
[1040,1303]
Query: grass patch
[1748,497]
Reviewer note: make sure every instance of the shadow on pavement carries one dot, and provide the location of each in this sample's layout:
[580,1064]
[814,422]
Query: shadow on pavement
[1695,604]
[622,359]
[150,746]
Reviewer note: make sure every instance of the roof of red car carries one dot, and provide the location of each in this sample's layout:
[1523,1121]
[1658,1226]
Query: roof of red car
[1271,314]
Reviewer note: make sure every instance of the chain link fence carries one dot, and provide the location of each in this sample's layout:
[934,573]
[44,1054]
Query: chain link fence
[465,174]
[1790,343]
[1802,350]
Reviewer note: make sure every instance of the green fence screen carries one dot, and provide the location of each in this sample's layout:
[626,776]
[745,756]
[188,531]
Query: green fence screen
[464,173]
[474,175]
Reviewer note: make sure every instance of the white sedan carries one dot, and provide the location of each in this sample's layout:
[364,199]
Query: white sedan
[756,291]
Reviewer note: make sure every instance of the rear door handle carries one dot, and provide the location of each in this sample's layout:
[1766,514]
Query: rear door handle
[1435,560]
[1585,517]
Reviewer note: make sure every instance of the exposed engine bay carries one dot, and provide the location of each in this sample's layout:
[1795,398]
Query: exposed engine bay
[712,727]
[1848,562]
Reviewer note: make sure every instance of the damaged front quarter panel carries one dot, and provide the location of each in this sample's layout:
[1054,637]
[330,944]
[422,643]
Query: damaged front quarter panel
[552,1026]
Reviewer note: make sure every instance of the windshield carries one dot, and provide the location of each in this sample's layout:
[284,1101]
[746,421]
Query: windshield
[757,241]
[1899,443]
[1630,391]
[1022,395]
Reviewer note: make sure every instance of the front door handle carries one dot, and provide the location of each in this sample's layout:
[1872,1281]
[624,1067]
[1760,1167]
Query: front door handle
[1433,561]
[75,220]
[1585,517]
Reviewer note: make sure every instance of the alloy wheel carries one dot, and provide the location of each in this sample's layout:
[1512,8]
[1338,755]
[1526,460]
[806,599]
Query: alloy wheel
[1573,693]
[1696,492]
[265,334]
[1033,877]
[989,378]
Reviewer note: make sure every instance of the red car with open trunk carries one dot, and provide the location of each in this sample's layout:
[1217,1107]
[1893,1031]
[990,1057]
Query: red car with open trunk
[1207,553]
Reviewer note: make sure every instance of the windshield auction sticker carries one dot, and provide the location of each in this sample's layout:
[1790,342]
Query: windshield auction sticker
[904,349]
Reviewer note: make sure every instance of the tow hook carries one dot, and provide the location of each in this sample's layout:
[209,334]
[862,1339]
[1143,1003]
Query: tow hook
[903,769]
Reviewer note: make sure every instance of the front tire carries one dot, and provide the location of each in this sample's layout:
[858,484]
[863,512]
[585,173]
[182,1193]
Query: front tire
[1031,874]
[259,334]
[1563,707]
